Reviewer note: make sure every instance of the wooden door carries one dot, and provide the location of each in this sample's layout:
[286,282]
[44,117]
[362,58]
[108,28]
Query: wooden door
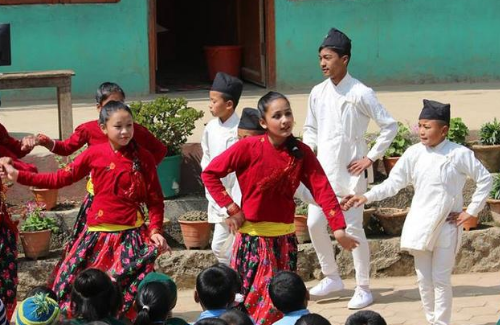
[251,35]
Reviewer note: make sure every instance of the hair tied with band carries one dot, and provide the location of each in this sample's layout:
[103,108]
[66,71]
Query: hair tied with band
[145,307]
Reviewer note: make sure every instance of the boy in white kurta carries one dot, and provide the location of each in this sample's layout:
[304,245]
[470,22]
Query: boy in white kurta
[339,111]
[219,134]
[437,168]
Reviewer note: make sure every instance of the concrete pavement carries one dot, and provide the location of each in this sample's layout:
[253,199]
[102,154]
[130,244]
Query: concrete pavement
[476,301]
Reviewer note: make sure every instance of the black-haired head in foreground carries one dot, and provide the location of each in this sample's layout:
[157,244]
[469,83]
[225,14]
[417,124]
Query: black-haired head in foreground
[211,321]
[236,317]
[312,319]
[214,290]
[288,292]
[365,317]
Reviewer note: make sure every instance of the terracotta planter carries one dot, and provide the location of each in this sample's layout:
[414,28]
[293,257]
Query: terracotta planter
[472,223]
[367,214]
[196,234]
[391,219]
[389,163]
[489,156]
[35,243]
[494,209]
[301,230]
[45,196]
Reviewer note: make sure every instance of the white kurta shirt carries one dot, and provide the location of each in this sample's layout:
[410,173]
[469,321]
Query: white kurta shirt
[217,137]
[438,175]
[335,127]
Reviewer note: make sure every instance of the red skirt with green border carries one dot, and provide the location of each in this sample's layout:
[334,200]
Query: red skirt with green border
[257,260]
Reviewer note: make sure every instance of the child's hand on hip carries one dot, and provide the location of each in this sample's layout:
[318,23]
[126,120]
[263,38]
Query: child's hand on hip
[458,218]
[161,243]
[235,221]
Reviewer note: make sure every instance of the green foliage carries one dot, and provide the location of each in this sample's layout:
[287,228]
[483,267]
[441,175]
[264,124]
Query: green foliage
[170,120]
[301,209]
[458,131]
[35,219]
[495,190]
[65,161]
[489,134]
[401,142]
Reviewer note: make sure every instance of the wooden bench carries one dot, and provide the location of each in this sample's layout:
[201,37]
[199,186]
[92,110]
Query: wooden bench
[61,79]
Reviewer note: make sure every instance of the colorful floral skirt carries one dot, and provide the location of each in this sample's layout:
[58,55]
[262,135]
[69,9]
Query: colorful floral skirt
[80,222]
[127,256]
[257,260]
[8,269]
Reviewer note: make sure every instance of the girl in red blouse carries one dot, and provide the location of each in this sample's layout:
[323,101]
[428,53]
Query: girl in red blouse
[90,134]
[115,238]
[269,168]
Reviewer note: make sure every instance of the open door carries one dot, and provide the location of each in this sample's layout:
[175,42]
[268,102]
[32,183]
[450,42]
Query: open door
[251,35]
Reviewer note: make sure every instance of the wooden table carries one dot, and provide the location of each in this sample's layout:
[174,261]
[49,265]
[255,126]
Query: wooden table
[61,79]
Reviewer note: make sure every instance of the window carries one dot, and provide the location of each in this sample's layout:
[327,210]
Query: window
[31,2]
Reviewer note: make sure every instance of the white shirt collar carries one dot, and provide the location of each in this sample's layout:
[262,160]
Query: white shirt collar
[231,121]
[440,146]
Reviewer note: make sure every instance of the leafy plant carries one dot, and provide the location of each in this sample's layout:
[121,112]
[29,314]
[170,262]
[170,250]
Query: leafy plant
[458,131]
[489,134]
[170,120]
[63,161]
[401,142]
[35,219]
[495,190]
[301,209]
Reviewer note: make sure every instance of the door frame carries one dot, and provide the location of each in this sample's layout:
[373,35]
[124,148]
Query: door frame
[270,37]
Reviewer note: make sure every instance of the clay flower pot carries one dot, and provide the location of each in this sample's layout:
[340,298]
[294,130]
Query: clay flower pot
[391,219]
[45,196]
[196,234]
[495,209]
[301,230]
[389,163]
[35,243]
[489,156]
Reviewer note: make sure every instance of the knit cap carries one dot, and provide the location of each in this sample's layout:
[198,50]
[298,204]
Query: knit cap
[37,310]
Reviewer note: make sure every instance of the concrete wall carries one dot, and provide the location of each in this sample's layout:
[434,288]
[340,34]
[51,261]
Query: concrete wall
[100,42]
[394,41]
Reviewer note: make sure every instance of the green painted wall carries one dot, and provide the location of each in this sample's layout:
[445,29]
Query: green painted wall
[394,41]
[100,42]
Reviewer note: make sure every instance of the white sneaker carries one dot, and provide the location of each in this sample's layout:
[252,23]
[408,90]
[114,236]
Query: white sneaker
[326,286]
[360,299]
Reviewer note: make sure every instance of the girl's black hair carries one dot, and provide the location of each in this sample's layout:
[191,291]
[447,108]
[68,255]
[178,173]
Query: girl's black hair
[211,321]
[94,296]
[236,317]
[312,319]
[105,90]
[291,142]
[153,303]
[41,289]
[111,107]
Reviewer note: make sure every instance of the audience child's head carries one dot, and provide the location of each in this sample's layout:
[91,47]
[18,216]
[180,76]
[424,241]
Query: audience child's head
[236,317]
[365,317]
[211,321]
[214,290]
[249,123]
[41,289]
[38,309]
[312,319]
[107,92]
[94,296]
[335,55]
[288,292]
[433,123]
[276,118]
[153,303]
[224,95]
[116,121]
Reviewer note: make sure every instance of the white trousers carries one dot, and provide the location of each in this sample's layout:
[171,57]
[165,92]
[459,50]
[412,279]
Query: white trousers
[221,234]
[317,224]
[434,276]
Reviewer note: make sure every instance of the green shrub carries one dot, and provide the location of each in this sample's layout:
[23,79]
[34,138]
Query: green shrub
[401,142]
[489,134]
[458,131]
[495,190]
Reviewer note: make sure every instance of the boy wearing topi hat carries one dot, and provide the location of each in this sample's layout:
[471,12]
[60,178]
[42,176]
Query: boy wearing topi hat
[437,169]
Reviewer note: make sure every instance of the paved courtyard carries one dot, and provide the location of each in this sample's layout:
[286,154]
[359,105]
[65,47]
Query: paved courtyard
[476,301]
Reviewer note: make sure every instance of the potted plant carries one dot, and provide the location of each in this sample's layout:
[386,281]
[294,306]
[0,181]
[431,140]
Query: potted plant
[494,199]
[300,221]
[401,142]
[195,229]
[458,131]
[488,149]
[36,231]
[171,121]
[391,219]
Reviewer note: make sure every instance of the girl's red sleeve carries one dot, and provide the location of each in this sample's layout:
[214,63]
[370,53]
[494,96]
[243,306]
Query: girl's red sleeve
[11,143]
[315,179]
[76,140]
[154,200]
[148,141]
[68,175]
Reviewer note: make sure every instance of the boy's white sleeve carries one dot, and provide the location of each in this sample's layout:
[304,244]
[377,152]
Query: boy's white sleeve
[304,195]
[205,159]
[310,136]
[399,178]
[387,124]
[473,168]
